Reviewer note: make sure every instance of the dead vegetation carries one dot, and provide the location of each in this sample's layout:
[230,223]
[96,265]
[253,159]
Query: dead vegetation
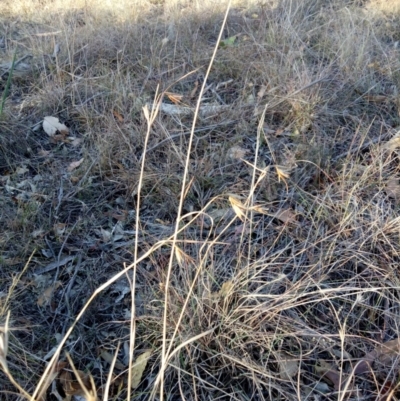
[174,231]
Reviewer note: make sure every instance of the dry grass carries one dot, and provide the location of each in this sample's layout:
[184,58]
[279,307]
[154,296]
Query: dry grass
[259,234]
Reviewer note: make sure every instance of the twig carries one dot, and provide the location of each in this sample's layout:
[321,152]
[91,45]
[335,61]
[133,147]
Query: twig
[55,265]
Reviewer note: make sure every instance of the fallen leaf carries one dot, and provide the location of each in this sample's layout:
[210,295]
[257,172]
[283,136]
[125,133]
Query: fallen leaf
[236,153]
[106,234]
[108,357]
[118,116]
[71,386]
[250,99]
[59,228]
[268,131]
[72,166]
[327,372]
[52,125]
[138,368]
[393,188]
[393,143]
[43,153]
[47,294]
[76,142]
[226,290]
[385,353]
[22,170]
[57,138]
[288,367]
[286,216]
[388,351]
[39,233]
[262,91]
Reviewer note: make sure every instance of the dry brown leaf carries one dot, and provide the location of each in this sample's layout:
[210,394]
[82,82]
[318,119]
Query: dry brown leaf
[118,116]
[268,131]
[71,386]
[108,357]
[138,368]
[44,153]
[65,379]
[226,290]
[39,233]
[388,351]
[393,144]
[288,367]
[286,216]
[83,384]
[61,365]
[76,142]
[106,235]
[236,153]
[393,188]
[59,228]
[22,170]
[327,372]
[262,91]
[52,125]
[72,166]
[58,138]
[385,353]
[47,294]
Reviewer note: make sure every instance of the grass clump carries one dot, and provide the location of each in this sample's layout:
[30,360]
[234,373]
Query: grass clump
[219,216]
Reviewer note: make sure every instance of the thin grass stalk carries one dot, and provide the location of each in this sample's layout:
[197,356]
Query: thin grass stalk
[165,353]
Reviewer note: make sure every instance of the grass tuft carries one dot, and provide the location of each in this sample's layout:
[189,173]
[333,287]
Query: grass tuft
[218,216]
